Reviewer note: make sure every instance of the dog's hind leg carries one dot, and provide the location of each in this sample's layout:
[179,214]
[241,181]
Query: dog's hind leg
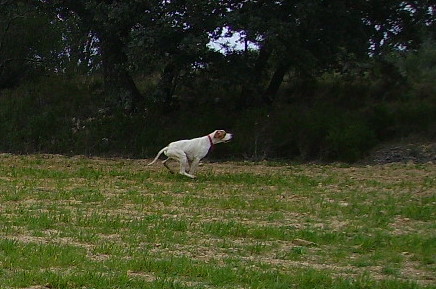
[180,156]
[166,165]
[184,167]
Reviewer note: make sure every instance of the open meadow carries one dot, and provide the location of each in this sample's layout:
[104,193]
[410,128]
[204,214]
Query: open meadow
[77,222]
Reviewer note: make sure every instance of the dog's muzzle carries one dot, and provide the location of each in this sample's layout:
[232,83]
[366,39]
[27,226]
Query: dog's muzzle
[228,137]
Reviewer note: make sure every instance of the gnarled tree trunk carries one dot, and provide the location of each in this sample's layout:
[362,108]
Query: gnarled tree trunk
[167,84]
[252,87]
[270,93]
[118,83]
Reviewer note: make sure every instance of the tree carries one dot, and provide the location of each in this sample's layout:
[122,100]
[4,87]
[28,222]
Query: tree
[398,25]
[24,49]
[176,36]
[133,35]
[305,36]
[111,23]
[309,37]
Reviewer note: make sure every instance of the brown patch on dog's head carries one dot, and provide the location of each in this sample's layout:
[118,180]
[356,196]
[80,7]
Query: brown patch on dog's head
[220,134]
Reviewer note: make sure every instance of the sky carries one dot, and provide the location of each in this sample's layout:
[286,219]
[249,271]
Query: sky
[226,44]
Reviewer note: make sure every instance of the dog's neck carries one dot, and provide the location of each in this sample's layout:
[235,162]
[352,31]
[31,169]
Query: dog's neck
[211,142]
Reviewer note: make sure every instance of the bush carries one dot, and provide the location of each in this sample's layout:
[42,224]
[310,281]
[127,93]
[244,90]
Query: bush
[37,117]
[55,115]
[349,141]
[320,132]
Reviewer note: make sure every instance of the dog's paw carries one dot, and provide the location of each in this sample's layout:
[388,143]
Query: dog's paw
[188,175]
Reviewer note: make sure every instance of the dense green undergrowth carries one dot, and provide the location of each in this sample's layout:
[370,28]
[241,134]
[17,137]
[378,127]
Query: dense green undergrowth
[328,122]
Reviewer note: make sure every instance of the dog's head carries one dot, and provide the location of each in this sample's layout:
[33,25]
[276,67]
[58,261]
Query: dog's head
[220,136]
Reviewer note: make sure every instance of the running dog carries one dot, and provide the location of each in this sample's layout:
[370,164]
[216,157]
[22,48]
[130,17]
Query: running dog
[189,152]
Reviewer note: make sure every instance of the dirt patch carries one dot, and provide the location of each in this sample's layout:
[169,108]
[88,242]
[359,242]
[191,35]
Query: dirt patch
[403,153]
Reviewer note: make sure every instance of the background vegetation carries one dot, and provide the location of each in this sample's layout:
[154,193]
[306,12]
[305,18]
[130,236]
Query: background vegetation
[311,79]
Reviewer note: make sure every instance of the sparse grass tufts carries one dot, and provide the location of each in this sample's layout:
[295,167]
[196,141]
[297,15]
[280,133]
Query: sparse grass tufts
[96,223]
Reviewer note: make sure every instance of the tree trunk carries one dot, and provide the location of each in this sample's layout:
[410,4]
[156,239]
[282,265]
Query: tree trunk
[118,83]
[166,86]
[253,85]
[270,93]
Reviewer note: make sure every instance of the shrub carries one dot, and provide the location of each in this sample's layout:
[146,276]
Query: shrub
[55,115]
[349,141]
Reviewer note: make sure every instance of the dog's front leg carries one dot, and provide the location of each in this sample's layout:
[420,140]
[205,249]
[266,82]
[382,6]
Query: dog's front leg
[194,166]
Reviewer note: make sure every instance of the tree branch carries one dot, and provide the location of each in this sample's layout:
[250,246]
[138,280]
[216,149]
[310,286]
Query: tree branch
[5,62]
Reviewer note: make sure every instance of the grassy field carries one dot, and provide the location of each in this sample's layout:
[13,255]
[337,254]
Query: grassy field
[116,223]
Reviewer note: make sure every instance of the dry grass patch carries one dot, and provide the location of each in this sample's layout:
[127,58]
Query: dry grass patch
[116,223]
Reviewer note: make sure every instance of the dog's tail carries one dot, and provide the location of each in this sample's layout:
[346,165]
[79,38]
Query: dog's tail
[158,155]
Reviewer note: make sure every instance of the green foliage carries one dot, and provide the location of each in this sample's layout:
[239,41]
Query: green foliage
[150,78]
[324,133]
[349,141]
[339,122]
[168,41]
[38,116]
[29,42]
[420,70]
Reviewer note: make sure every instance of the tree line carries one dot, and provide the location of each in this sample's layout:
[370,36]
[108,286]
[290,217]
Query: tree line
[168,39]
[297,65]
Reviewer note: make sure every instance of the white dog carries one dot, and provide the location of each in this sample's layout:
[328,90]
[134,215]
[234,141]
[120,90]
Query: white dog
[190,152]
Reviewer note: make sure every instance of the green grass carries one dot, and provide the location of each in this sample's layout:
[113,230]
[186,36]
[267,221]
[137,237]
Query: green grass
[116,223]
